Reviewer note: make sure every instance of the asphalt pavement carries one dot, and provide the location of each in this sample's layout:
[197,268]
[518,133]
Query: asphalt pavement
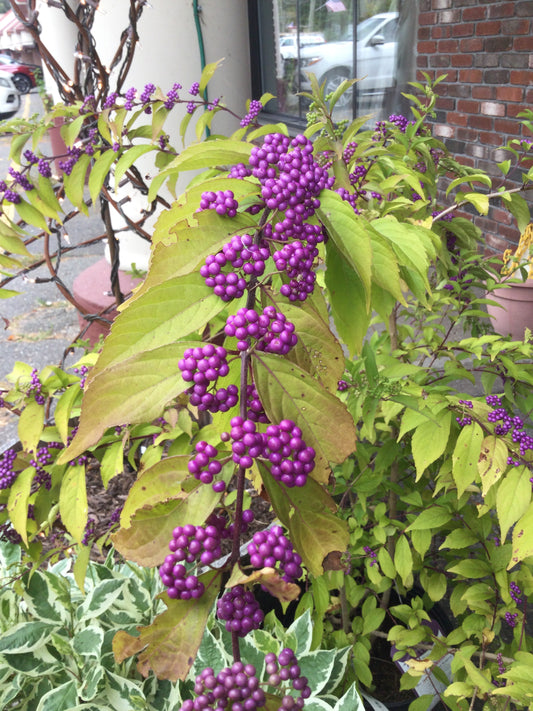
[38,325]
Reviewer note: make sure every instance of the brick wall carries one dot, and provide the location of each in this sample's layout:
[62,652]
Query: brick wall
[486,50]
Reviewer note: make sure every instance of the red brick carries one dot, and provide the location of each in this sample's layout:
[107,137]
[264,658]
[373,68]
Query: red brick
[424,33]
[523,44]
[421,62]
[463,160]
[481,92]
[502,216]
[439,60]
[521,77]
[505,9]
[427,47]
[490,138]
[492,27]
[441,4]
[457,119]
[468,107]
[509,93]
[427,18]
[448,46]
[514,109]
[440,31]
[445,104]
[484,123]
[474,13]
[466,134]
[465,29]
[517,27]
[462,60]
[472,44]
[506,126]
[470,76]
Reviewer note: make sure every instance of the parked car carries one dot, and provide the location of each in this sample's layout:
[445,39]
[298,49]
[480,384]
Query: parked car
[9,96]
[23,76]
[288,44]
[332,62]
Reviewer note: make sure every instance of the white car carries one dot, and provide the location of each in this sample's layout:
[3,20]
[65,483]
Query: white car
[332,62]
[288,44]
[9,96]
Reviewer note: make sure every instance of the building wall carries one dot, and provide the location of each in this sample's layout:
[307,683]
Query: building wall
[486,51]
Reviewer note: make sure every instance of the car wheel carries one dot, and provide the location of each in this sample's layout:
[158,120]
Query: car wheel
[22,83]
[5,117]
[333,79]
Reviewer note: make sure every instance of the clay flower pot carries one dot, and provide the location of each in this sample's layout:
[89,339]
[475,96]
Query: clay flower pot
[515,310]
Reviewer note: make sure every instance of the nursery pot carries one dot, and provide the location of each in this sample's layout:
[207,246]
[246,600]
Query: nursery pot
[386,672]
[514,312]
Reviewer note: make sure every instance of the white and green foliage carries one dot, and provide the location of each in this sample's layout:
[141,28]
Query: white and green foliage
[326,670]
[56,641]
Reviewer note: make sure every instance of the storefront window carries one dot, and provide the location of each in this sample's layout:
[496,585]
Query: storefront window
[292,38]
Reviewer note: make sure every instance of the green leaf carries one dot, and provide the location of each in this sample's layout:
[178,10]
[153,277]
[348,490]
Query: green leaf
[30,425]
[309,514]
[474,178]
[169,645]
[100,171]
[512,498]
[112,462]
[288,392]
[100,599]
[466,456]
[17,503]
[73,501]
[350,233]
[64,407]
[429,442]
[317,352]
[162,315]
[47,600]
[74,183]
[147,529]
[203,155]
[433,517]
[347,299]
[403,561]
[522,538]
[492,462]
[61,698]
[132,391]
[471,568]
[128,158]
[32,216]
[25,637]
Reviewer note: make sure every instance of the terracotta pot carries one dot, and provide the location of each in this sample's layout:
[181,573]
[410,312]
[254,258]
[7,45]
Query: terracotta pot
[515,311]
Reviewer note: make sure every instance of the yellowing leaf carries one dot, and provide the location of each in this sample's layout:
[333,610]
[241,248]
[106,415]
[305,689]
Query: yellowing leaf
[169,646]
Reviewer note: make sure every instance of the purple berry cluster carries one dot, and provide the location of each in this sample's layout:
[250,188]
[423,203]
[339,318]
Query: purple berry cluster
[254,407]
[202,366]
[245,258]
[297,260]
[7,473]
[35,387]
[271,330]
[284,668]
[254,110]
[239,609]
[205,466]
[291,460]
[235,687]
[189,544]
[515,593]
[272,549]
[222,202]
[247,443]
